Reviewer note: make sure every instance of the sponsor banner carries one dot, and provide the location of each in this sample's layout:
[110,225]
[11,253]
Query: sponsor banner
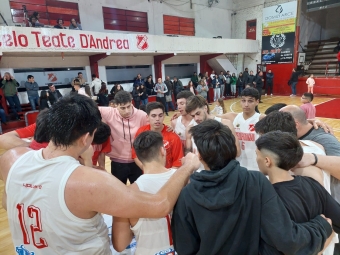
[278,33]
[41,39]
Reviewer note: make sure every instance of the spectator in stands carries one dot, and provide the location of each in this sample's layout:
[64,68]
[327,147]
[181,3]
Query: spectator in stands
[194,79]
[103,95]
[9,86]
[168,96]
[136,95]
[227,83]
[80,90]
[233,81]
[32,89]
[212,75]
[37,16]
[178,86]
[161,89]
[149,84]
[259,84]
[251,79]
[245,76]
[240,84]
[307,106]
[96,84]
[2,113]
[60,24]
[43,101]
[115,89]
[294,80]
[143,94]
[138,81]
[33,22]
[80,79]
[53,93]
[216,86]
[88,90]
[75,25]
[269,82]
[202,89]
[191,87]
[222,80]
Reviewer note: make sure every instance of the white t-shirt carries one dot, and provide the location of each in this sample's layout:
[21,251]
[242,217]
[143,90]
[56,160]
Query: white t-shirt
[245,131]
[97,84]
[180,128]
[153,236]
[313,148]
[35,190]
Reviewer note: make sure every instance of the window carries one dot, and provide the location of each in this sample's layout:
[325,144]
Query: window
[174,25]
[49,10]
[125,20]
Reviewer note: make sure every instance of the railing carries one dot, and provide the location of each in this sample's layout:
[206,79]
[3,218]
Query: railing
[326,71]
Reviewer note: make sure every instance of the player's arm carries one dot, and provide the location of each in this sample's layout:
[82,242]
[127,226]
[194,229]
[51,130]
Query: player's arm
[228,116]
[89,191]
[177,152]
[6,162]
[188,142]
[121,231]
[327,163]
[101,160]
[12,140]
[310,171]
[229,124]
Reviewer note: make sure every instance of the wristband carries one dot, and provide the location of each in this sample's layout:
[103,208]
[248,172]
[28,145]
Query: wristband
[316,159]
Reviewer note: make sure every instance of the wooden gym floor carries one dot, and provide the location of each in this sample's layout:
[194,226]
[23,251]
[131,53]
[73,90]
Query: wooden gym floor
[233,105]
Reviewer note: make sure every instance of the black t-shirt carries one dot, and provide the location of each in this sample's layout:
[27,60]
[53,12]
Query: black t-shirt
[305,198]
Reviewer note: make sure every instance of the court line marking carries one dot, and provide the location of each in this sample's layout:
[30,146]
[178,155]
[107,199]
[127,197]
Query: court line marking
[326,101]
[231,106]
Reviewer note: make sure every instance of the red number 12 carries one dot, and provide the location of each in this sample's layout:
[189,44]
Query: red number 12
[32,212]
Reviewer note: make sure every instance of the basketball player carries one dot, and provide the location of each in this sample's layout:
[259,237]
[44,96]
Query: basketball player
[198,108]
[153,236]
[227,209]
[53,202]
[172,142]
[184,120]
[244,124]
[277,153]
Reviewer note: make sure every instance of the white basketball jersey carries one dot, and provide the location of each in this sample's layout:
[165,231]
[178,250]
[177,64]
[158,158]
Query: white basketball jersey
[180,128]
[38,216]
[153,236]
[245,131]
[313,148]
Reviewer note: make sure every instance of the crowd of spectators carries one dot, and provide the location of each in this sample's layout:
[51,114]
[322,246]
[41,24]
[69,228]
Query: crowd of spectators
[33,21]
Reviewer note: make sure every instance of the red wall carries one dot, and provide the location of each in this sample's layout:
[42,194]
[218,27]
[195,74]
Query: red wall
[282,73]
[324,86]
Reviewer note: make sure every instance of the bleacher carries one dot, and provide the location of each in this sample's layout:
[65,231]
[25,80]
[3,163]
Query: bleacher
[322,58]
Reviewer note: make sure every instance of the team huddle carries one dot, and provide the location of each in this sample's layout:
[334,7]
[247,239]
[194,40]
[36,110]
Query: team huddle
[244,183]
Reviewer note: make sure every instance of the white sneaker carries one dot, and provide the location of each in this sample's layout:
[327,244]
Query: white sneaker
[271,94]
[291,95]
[265,95]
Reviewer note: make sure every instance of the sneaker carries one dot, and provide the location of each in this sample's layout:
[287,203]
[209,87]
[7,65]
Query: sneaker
[265,95]
[271,95]
[291,95]
[167,114]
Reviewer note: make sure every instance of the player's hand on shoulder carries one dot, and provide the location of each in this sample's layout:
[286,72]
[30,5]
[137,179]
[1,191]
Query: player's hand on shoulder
[175,116]
[191,160]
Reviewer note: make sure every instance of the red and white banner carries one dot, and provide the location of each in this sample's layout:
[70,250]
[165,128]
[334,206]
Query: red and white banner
[41,39]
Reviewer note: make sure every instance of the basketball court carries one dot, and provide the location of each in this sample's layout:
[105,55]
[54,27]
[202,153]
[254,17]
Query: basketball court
[232,105]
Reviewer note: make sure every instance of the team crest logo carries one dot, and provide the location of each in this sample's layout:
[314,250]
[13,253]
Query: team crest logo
[277,41]
[142,42]
[23,251]
[251,127]
[279,9]
[52,77]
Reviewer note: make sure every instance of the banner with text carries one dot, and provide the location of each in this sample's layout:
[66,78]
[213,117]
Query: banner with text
[42,39]
[278,33]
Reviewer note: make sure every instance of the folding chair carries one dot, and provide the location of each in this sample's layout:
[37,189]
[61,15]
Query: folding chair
[31,117]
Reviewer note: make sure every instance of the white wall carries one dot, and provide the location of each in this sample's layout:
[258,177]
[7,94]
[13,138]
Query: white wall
[209,21]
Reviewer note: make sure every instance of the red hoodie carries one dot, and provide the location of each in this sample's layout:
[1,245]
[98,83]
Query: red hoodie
[123,132]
